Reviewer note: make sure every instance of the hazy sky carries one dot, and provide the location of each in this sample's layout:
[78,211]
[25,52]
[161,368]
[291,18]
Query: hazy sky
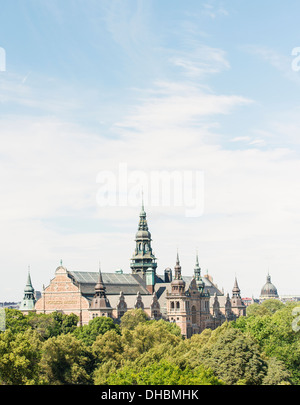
[96,86]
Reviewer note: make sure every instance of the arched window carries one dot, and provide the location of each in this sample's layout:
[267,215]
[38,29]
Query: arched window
[177,305]
[194,314]
[172,306]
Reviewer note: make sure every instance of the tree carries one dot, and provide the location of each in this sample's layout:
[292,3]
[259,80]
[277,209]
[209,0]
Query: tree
[15,320]
[234,357]
[19,357]
[132,318]
[108,346]
[276,337]
[272,305]
[97,326]
[145,336]
[54,324]
[277,373]
[66,360]
[161,373]
[145,343]
[267,307]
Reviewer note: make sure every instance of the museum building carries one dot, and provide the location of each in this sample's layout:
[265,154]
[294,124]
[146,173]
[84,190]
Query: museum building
[194,302]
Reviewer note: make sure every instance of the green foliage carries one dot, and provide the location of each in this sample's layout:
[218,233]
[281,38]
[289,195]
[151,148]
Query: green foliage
[277,373]
[15,320]
[54,324]
[97,326]
[275,336]
[268,307]
[108,347]
[66,360]
[46,325]
[132,318]
[20,353]
[234,357]
[161,373]
[171,326]
[272,305]
[262,348]
[145,336]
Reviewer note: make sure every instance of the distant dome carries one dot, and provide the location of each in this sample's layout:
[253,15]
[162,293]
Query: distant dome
[268,290]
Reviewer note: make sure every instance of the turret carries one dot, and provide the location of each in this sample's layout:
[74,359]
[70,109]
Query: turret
[143,257]
[178,284]
[28,302]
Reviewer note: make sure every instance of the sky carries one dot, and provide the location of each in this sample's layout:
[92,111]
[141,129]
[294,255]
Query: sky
[99,97]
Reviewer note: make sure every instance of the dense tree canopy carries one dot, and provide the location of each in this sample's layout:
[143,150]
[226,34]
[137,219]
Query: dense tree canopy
[258,349]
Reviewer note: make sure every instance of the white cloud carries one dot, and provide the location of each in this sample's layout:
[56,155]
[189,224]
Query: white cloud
[173,107]
[214,9]
[201,61]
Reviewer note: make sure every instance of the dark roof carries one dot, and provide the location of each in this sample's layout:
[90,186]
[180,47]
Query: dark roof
[114,283]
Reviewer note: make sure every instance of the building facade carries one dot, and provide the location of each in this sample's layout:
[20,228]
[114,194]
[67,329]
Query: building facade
[192,302]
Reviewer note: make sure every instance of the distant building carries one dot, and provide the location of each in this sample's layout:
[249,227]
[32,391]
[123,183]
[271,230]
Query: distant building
[248,301]
[268,290]
[289,298]
[11,305]
[193,303]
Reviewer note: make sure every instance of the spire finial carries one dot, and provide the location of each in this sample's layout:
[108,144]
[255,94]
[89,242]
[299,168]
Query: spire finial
[177,257]
[197,269]
[143,213]
[100,273]
[61,262]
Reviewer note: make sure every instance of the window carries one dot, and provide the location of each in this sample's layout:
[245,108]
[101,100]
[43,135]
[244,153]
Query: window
[194,314]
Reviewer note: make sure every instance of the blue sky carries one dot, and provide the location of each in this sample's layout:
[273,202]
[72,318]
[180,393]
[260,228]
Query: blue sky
[159,85]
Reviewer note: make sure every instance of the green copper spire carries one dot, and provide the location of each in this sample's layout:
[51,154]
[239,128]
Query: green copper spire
[28,302]
[28,287]
[143,257]
[197,275]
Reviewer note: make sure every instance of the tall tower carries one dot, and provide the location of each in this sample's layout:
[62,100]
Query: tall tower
[28,302]
[177,301]
[178,284]
[197,275]
[237,304]
[143,260]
